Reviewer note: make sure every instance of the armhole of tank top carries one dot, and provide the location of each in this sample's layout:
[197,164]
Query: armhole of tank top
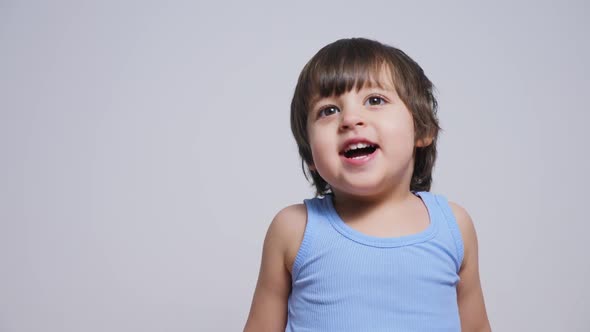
[303,250]
[453,228]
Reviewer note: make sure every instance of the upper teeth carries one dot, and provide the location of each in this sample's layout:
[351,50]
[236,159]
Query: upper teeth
[357,146]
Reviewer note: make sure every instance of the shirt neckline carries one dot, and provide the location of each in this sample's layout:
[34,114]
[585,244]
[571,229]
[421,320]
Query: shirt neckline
[385,242]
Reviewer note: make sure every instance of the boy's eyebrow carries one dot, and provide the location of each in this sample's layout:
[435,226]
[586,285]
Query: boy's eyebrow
[314,100]
[385,87]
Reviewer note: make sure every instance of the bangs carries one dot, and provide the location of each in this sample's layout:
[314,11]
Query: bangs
[358,66]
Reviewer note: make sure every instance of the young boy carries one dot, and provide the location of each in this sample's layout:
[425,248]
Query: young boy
[374,251]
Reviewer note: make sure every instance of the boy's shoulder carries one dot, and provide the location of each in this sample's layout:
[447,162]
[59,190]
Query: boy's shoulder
[467,229]
[460,212]
[294,211]
[290,219]
[463,219]
[288,228]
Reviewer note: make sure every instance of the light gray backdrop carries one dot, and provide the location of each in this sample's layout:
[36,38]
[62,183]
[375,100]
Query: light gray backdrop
[145,147]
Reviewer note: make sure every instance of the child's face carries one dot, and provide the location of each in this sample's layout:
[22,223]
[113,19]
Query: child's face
[378,124]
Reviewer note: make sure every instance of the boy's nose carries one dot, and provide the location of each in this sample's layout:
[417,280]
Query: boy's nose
[350,120]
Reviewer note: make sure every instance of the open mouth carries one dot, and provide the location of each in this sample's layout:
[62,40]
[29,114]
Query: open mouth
[359,150]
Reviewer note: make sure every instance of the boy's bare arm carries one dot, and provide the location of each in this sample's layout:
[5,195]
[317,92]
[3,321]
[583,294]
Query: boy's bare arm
[470,299]
[268,312]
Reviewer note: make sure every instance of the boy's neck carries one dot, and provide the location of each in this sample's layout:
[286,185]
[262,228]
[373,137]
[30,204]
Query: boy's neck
[351,204]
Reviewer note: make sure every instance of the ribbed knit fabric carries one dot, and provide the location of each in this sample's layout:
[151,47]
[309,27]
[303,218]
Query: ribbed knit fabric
[344,280]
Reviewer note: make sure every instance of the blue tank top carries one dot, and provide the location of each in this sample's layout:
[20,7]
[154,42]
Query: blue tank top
[344,280]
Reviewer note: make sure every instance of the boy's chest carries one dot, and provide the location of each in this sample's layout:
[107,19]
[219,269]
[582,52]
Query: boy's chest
[412,283]
[413,271]
[388,228]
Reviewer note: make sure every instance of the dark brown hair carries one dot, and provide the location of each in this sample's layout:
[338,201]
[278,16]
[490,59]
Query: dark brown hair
[351,63]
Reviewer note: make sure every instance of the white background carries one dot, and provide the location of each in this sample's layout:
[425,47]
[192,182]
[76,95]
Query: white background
[145,147]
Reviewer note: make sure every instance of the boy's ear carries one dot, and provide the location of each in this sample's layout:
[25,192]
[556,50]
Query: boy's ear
[424,142]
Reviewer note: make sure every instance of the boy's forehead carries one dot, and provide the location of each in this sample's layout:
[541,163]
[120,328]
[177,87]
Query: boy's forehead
[384,78]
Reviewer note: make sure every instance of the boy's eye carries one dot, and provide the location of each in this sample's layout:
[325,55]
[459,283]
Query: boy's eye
[328,110]
[374,101]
